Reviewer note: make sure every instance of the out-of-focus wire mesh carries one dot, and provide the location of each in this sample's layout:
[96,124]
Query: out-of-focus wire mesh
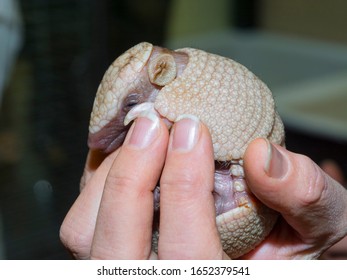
[68,44]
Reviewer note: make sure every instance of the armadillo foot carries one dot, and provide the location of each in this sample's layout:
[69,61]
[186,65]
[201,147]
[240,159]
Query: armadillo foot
[242,221]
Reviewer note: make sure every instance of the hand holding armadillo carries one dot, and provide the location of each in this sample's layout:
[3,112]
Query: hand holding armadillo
[230,100]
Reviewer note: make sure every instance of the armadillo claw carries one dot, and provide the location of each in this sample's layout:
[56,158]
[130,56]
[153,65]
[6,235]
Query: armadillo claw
[145,109]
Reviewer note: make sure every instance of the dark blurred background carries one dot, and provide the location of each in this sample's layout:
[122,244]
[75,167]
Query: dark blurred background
[54,54]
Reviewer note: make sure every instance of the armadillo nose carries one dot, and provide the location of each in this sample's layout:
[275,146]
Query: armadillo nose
[108,139]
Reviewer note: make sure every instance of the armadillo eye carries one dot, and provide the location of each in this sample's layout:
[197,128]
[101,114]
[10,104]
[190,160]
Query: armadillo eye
[131,104]
[130,101]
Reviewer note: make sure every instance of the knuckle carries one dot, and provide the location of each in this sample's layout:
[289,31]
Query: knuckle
[314,182]
[126,185]
[77,243]
[185,183]
[122,181]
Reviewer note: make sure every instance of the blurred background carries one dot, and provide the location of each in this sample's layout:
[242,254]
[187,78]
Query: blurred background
[53,54]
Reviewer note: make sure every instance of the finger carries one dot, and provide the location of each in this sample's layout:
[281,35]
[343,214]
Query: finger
[124,223]
[311,202]
[77,229]
[94,159]
[187,212]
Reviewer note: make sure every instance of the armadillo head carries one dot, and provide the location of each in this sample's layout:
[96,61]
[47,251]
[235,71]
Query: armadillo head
[235,105]
[137,76]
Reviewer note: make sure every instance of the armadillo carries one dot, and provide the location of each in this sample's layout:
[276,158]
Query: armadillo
[235,105]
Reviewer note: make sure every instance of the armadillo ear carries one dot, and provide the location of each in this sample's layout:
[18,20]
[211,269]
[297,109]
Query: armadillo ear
[162,69]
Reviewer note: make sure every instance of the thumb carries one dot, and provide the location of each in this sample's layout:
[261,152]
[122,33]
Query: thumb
[311,202]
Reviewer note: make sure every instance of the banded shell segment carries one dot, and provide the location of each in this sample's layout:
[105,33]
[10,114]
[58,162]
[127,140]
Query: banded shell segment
[235,105]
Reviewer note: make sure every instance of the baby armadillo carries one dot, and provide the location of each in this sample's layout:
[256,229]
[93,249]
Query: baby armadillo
[234,104]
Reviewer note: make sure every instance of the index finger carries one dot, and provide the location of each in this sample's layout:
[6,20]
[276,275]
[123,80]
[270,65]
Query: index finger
[124,223]
[96,160]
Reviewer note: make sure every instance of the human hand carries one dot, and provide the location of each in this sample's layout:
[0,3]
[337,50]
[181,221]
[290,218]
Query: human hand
[312,205]
[338,250]
[112,217]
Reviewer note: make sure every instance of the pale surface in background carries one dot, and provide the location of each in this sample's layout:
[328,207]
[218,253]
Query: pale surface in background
[11,37]
[318,19]
[198,16]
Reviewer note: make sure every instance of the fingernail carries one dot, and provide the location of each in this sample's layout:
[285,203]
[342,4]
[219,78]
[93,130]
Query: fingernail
[185,133]
[144,131]
[276,164]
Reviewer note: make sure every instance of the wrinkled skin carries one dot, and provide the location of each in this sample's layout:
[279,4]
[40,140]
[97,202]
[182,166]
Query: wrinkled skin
[232,102]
